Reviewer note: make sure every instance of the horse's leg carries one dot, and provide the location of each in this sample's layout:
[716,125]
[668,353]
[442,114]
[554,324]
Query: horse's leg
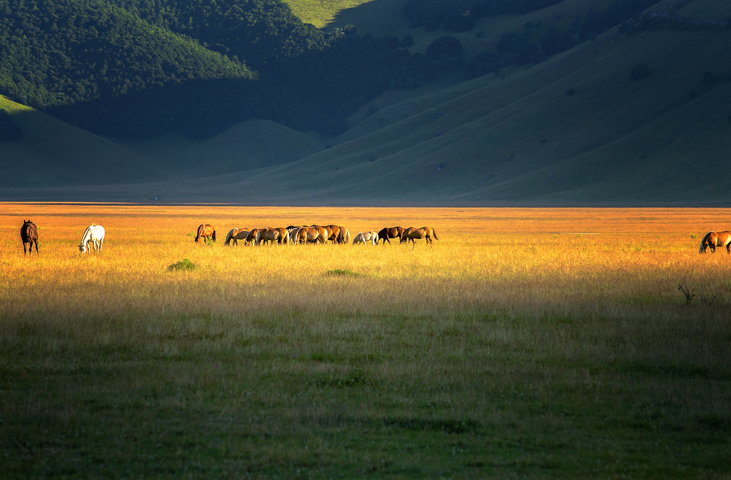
[36,247]
[25,252]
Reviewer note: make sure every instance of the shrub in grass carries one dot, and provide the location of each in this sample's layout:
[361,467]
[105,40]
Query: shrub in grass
[693,235]
[338,272]
[183,265]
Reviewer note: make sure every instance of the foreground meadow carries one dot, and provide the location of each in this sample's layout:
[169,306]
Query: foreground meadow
[524,342]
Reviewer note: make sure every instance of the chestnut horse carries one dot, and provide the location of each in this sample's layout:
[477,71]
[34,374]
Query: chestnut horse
[205,232]
[235,235]
[415,234]
[716,239]
[386,233]
[310,234]
[251,237]
[29,235]
[344,236]
[271,235]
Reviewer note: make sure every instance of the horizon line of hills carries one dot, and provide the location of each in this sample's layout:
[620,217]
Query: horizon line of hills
[143,68]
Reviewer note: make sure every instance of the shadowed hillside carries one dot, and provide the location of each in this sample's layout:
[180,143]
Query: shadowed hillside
[575,128]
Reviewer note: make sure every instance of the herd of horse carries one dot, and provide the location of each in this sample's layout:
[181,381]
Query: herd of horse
[294,235]
[303,234]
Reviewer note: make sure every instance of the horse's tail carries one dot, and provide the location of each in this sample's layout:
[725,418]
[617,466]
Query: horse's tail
[433,232]
[214,235]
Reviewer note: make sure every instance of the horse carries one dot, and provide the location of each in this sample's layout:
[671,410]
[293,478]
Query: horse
[366,238]
[29,235]
[716,239]
[414,234]
[386,233]
[310,234]
[344,237]
[329,235]
[333,233]
[251,237]
[205,231]
[272,234]
[291,234]
[235,235]
[95,235]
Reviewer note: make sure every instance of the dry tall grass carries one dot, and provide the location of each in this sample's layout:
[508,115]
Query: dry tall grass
[513,318]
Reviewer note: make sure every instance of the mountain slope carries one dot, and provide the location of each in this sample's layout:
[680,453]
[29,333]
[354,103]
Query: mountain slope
[575,128]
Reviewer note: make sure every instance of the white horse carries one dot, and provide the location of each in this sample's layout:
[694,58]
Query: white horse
[365,238]
[94,234]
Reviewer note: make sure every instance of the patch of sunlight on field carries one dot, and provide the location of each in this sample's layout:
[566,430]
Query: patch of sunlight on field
[320,12]
[521,339]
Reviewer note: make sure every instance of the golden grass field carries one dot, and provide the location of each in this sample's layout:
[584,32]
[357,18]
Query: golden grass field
[546,342]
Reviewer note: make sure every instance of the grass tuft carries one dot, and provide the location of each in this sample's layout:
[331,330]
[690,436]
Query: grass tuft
[340,272]
[183,265]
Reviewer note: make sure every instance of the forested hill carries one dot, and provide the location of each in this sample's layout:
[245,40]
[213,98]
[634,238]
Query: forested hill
[140,68]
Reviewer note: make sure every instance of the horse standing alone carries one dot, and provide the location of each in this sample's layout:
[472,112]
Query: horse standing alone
[29,235]
[205,231]
[716,239]
[95,235]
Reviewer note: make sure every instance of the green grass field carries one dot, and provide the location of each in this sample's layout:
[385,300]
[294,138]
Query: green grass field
[564,350]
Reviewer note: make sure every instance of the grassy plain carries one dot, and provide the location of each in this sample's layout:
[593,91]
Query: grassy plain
[525,342]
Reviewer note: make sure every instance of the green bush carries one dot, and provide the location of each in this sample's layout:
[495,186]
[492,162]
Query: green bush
[183,265]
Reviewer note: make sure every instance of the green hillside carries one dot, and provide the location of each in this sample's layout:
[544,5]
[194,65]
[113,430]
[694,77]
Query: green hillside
[574,128]
[321,13]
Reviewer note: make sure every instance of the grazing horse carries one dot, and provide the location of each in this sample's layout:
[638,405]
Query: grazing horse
[235,235]
[95,235]
[366,237]
[251,237]
[386,233]
[205,232]
[414,234]
[310,234]
[344,236]
[333,233]
[271,235]
[292,234]
[716,239]
[29,235]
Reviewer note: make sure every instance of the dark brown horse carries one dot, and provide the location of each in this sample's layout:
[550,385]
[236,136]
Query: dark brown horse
[716,239]
[205,232]
[414,234]
[386,233]
[29,235]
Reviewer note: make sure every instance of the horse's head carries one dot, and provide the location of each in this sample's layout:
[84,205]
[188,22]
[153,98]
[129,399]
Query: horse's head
[82,248]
